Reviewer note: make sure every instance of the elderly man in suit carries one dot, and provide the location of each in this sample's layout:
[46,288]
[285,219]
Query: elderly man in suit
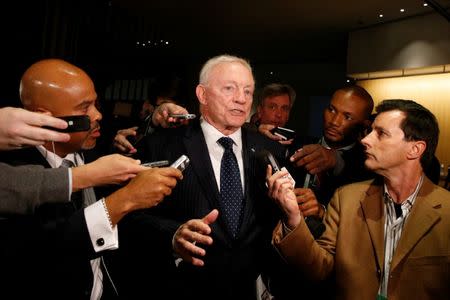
[218,221]
[387,238]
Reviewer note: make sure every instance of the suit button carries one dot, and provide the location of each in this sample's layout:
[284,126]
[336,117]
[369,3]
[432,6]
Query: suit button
[100,242]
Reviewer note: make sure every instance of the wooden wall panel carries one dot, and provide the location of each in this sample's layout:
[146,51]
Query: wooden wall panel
[432,91]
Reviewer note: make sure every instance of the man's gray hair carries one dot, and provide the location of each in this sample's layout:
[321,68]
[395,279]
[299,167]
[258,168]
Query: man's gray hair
[212,62]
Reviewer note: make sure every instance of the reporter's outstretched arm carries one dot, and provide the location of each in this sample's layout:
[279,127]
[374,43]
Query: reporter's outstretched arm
[24,188]
[109,169]
[19,128]
[161,116]
[145,190]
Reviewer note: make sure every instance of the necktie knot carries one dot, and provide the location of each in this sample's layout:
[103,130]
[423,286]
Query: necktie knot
[226,143]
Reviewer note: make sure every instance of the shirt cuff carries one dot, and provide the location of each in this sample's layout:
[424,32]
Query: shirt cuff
[286,229]
[103,236]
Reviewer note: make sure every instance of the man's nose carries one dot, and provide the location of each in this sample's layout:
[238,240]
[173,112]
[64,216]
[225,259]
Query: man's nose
[337,120]
[240,96]
[96,115]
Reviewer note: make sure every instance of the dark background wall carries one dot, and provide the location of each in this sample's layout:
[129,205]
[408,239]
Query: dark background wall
[101,38]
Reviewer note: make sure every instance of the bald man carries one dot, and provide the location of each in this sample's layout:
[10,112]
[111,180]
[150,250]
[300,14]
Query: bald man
[68,240]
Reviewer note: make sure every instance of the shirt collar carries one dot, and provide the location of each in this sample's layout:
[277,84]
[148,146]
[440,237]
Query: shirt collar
[55,160]
[212,134]
[345,148]
[411,198]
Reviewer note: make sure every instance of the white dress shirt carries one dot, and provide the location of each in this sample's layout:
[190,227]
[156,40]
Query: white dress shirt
[216,151]
[97,220]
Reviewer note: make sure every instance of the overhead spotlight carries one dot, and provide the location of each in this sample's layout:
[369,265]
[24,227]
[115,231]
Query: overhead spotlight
[425,4]
[137,43]
[380,15]
[167,43]
[402,10]
[143,44]
[271,73]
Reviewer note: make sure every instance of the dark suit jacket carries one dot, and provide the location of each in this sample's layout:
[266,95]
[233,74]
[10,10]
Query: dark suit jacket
[353,245]
[231,265]
[48,251]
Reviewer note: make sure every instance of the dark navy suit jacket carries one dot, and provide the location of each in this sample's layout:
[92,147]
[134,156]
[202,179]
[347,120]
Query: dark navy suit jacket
[231,264]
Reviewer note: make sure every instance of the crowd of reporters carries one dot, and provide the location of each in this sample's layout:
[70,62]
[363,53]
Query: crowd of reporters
[178,234]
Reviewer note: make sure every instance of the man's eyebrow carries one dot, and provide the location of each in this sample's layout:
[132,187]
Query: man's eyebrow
[379,128]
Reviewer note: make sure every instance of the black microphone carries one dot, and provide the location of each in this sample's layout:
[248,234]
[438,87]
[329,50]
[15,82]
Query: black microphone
[265,158]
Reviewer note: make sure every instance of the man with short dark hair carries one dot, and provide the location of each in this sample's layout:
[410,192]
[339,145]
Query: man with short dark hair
[386,238]
[338,157]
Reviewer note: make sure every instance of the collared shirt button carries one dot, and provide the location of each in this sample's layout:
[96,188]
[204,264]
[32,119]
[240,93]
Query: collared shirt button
[100,242]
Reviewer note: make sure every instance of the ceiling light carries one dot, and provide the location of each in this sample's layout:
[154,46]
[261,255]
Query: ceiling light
[425,4]
[402,10]
[167,43]
[380,15]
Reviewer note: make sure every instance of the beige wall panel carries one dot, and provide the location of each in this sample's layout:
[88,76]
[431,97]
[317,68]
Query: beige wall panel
[432,91]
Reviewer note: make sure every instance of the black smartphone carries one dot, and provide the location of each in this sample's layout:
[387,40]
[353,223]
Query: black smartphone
[266,158]
[284,133]
[181,163]
[142,130]
[156,164]
[74,123]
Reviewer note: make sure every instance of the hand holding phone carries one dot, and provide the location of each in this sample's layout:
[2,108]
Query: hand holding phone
[156,164]
[284,133]
[183,116]
[74,123]
[181,163]
[267,158]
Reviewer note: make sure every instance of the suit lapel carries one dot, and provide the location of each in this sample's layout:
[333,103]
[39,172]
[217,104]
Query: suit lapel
[197,151]
[423,216]
[248,161]
[373,212]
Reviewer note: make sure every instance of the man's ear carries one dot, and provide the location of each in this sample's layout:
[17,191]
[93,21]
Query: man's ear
[200,91]
[417,149]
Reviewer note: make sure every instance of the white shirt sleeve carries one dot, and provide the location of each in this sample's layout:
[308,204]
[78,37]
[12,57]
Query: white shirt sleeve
[103,236]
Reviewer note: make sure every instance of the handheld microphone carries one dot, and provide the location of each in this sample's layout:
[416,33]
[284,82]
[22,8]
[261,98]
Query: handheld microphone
[315,225]
[265,158]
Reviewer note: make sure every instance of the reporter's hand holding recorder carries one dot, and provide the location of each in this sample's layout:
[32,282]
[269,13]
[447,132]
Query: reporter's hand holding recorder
[294,202]
[165,115]
[20,128]
[282,135]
